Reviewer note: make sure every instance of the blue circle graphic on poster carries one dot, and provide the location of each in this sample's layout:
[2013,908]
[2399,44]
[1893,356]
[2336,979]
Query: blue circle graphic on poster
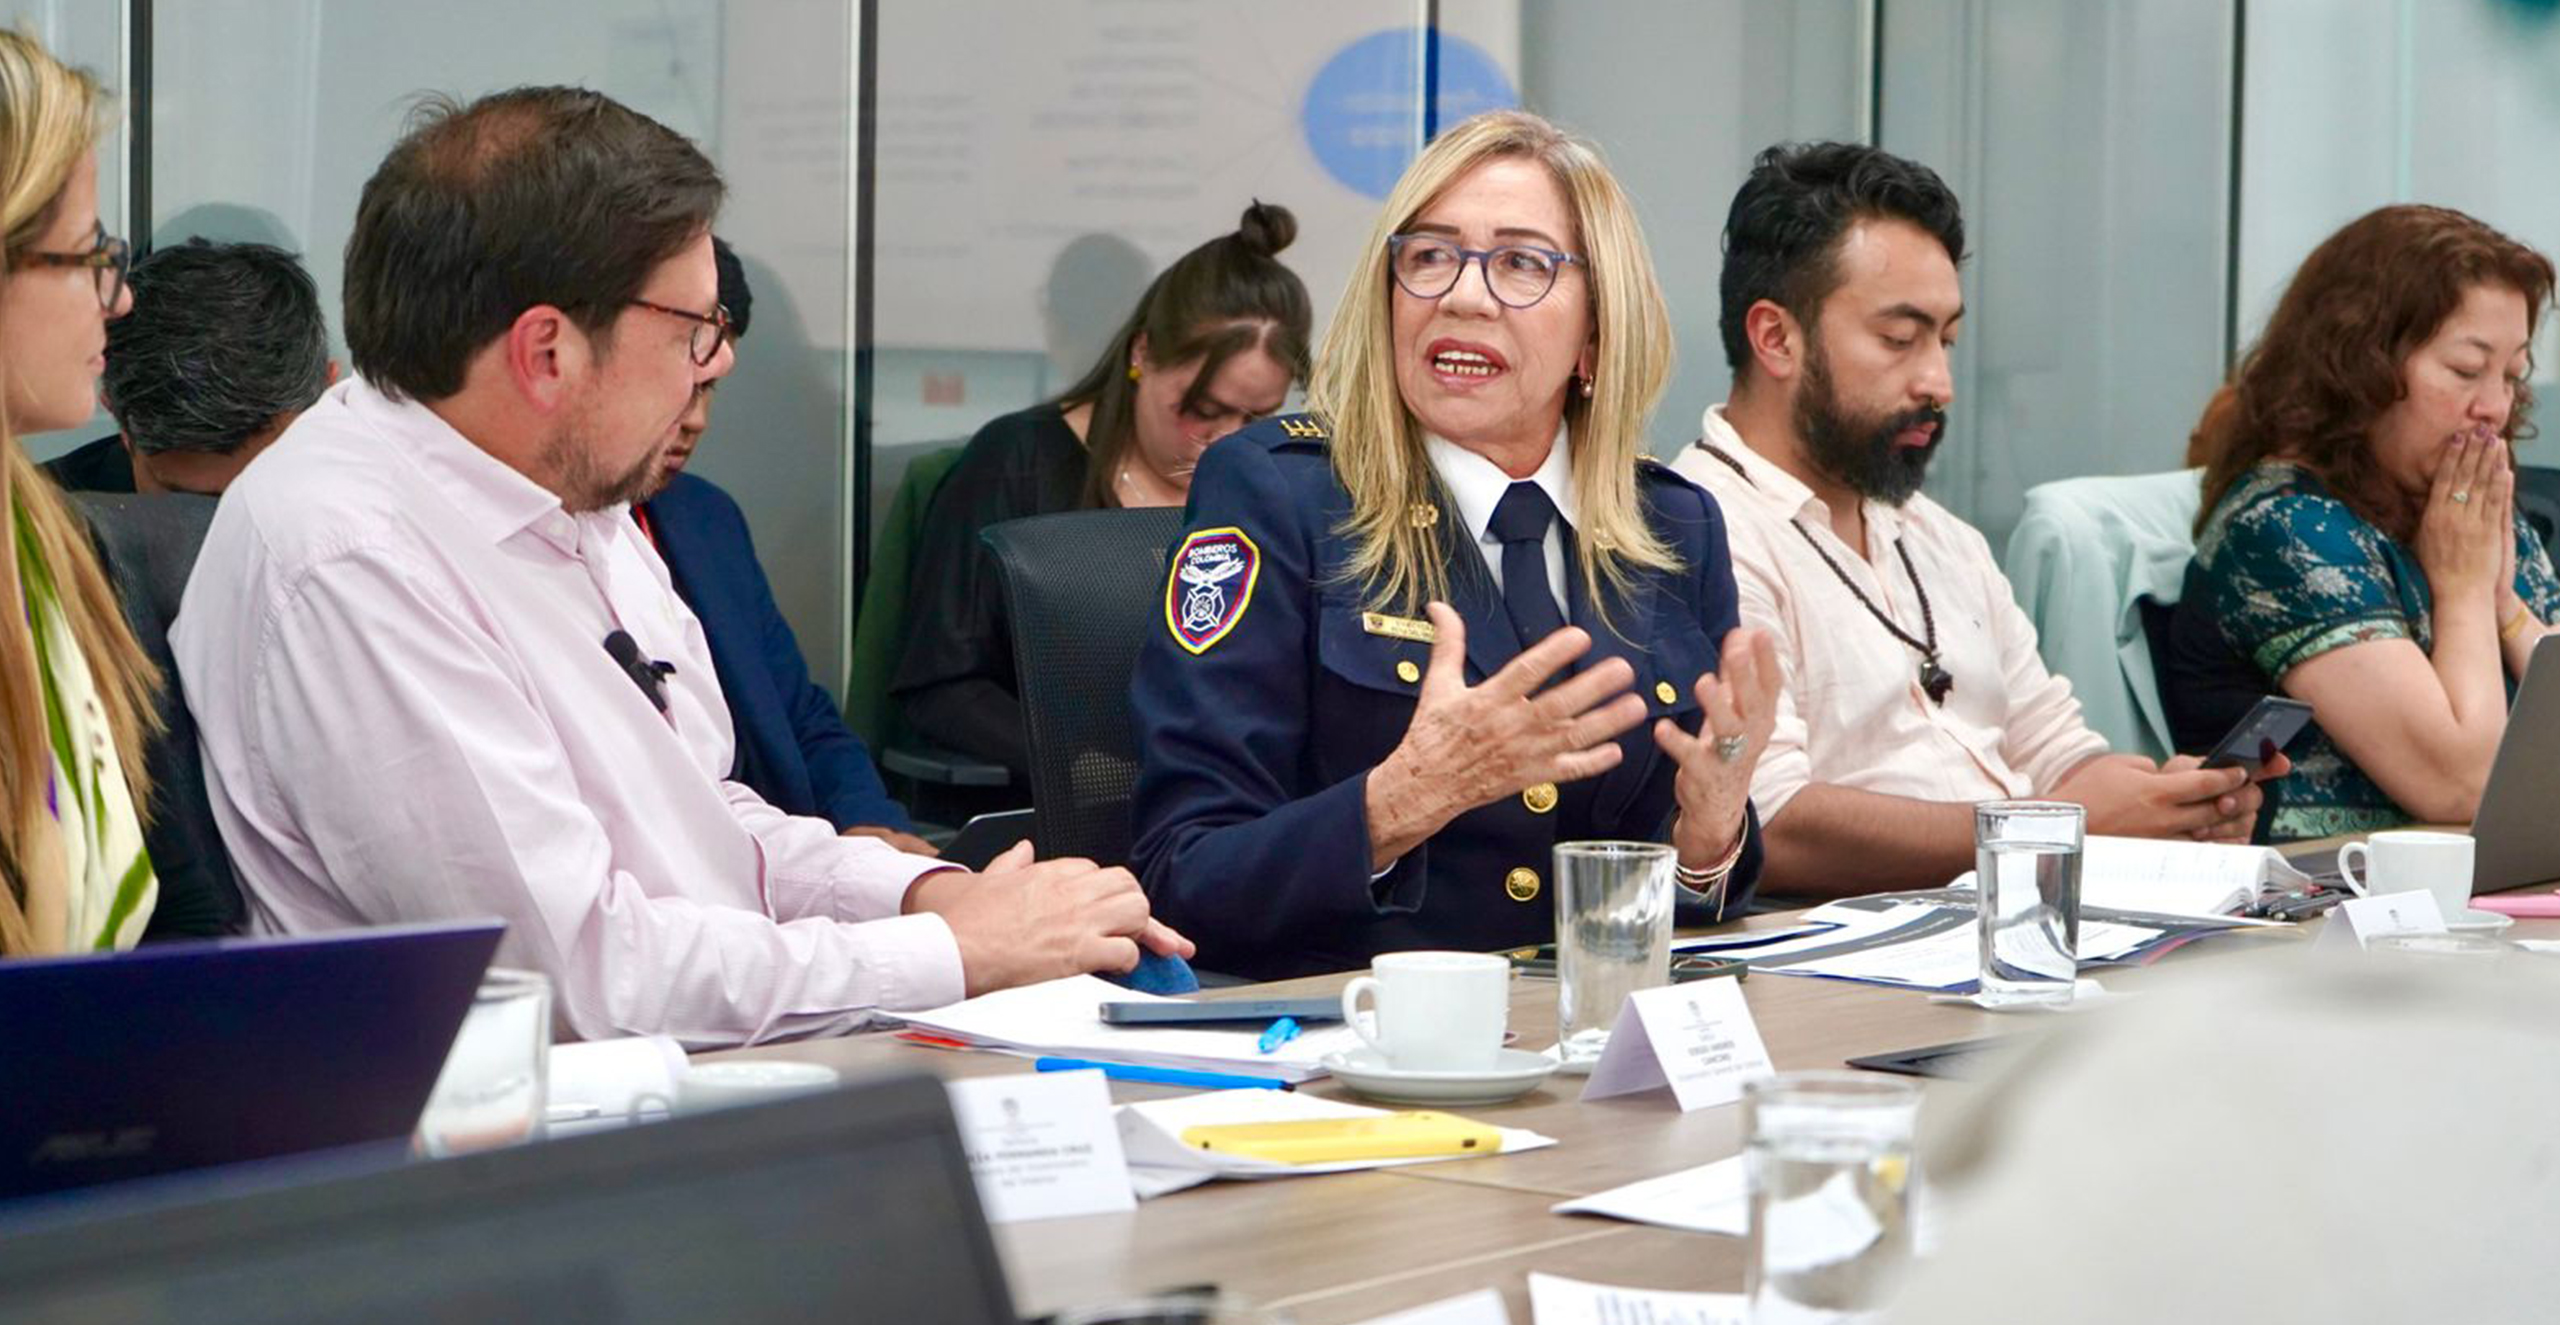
[1360,116]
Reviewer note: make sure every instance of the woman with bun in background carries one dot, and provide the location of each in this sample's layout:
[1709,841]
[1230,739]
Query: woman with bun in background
[1217,341]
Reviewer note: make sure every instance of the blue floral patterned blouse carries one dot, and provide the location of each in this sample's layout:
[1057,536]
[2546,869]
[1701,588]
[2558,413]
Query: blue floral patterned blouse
[2284,573]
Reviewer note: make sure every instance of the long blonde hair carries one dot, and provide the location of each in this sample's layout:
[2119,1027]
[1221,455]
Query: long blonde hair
[50,117]
[1377,445]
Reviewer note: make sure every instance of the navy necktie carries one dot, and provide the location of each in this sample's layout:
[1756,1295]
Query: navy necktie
[1520,521]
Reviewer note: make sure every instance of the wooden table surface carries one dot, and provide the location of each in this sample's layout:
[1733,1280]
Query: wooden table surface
[1346,1247]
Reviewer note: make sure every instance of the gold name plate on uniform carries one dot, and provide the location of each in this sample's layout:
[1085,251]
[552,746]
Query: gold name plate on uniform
[1396,627]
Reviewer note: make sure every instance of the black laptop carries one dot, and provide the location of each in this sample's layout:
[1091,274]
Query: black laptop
[853,1205]
[123,1065]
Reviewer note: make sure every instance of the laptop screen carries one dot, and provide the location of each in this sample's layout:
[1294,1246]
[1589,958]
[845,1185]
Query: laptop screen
[192,1055]
[853,1205]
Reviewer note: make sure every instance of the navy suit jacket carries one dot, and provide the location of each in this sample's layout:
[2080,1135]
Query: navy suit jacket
[1273,690]
[793,746]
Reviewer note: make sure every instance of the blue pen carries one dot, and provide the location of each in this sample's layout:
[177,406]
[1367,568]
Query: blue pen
[1281,1032]
[1164,1076]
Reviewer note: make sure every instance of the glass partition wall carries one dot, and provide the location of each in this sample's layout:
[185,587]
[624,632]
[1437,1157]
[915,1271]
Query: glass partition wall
[2140,177]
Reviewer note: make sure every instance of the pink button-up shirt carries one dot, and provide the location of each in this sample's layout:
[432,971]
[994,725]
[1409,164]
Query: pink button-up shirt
[1853,713]
[393,644]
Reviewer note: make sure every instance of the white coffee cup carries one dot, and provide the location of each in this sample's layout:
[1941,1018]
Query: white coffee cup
[706,1086]
[2412,861]
[1433,1011]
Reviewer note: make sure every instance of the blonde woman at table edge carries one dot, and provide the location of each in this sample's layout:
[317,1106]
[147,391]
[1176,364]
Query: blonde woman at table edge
[1351,741]
[76,692]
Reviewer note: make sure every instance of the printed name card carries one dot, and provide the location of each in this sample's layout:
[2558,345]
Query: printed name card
[1697,1038]
[1042,1145]
[2358,920]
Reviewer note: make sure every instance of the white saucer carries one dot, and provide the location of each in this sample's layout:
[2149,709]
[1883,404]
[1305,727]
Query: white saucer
[1515,1072]
[2473,920]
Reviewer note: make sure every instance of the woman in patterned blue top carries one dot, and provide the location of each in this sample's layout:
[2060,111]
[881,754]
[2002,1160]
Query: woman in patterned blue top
[2359,547]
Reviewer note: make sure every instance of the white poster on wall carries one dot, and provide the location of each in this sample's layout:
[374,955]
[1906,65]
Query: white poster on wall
[1140,128]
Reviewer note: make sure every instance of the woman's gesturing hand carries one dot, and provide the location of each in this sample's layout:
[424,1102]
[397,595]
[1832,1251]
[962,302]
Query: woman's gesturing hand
[1739,702]
[1473,745]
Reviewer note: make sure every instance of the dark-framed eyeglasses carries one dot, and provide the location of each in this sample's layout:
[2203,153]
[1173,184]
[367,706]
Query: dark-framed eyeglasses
[1516,275]
[710,330]
[109,257]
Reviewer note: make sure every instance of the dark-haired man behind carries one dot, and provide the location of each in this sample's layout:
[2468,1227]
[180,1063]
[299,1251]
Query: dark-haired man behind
[225,346]
[793,746]
[1913,685]
[439,672]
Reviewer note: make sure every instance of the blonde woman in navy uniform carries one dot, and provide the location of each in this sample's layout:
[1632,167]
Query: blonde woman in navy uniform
[1450,617]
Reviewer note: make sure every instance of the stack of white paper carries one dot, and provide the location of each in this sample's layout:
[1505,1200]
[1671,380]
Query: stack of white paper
[1555,1300]
[2176,878]
[1952,957]
[1754,939]
[1834,923]
[1711,1198]
[1151,1136]
[1063,1019]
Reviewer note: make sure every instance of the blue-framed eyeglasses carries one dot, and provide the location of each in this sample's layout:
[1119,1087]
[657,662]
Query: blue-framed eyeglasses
[1517,275]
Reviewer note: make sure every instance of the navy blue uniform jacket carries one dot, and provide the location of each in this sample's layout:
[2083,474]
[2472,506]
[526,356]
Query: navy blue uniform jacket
[793,746]
[1251,832]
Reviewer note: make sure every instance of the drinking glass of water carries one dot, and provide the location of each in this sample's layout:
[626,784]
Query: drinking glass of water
[1613,937]
[491,1091]
[1829,1155]
[2026,857]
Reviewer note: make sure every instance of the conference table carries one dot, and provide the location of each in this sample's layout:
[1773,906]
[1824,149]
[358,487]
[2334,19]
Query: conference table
[1347,1247]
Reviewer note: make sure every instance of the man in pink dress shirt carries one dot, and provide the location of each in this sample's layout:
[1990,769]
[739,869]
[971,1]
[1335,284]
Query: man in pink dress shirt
[1913,686]
[440,673]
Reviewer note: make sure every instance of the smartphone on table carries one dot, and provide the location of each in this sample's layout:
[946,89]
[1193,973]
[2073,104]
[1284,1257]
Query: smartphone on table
[2264,731]
[1181,1012]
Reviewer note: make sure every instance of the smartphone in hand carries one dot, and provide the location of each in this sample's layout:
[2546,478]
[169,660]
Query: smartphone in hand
[2264,731]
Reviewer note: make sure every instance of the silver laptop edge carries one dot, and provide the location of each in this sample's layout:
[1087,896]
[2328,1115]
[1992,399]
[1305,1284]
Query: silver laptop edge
[2518,830]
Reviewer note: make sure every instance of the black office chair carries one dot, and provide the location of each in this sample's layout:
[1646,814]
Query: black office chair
[149,544]
[937,784]
[1083,589]
[2538,498]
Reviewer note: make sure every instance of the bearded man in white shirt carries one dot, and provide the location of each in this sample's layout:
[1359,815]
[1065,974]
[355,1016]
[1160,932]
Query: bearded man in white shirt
[1913,687]
[439,672]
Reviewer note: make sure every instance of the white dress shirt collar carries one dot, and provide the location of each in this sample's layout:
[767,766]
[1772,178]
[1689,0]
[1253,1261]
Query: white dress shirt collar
[486,492]
[1477,484]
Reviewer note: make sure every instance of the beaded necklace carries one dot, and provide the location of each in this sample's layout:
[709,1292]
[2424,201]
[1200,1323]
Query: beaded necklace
[1935,680]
